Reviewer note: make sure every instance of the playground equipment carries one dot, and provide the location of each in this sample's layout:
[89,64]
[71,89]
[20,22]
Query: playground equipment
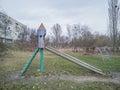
[107,54]
[75,60]
[99,51]
[105,51]
[41,32]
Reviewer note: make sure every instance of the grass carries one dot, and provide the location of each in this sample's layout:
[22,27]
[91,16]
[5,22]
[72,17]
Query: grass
[15,60]
[112,65]
[59,85]
[53,64]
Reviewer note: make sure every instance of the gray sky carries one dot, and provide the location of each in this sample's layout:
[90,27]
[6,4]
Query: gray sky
[32,12]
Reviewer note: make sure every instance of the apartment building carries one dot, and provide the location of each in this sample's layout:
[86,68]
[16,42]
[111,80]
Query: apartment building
[10,28]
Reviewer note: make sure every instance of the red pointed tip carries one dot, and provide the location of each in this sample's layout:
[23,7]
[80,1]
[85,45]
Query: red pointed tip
[41,27]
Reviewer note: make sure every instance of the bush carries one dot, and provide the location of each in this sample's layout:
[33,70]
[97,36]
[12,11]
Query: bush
[6,47]
[3,50]
[14,47]
[3,47]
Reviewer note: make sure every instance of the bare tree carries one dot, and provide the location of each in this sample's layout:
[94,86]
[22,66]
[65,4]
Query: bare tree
[33,36]
[69,32]
[87,37]
[81,36]
[101,40]
[113,22]
[57,31]
[75,30]
[23,36]
[64,41]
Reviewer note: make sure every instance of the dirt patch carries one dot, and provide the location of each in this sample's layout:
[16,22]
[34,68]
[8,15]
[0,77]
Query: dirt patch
[83,79]
[115,75]
[115,78]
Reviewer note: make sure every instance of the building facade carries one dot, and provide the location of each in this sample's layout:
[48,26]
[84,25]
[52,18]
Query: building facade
[10,28]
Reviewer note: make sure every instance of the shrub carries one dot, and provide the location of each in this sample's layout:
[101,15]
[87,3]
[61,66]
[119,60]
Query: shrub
[3,50]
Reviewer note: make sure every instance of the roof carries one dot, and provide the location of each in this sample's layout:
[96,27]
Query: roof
[41,27]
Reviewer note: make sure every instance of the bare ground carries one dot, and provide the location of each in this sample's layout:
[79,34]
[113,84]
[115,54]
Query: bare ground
[114,78]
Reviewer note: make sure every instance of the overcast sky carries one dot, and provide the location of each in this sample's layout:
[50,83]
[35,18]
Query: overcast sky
[32,12]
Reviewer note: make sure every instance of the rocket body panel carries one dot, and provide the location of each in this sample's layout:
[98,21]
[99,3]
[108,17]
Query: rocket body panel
[41,32]
[40,42]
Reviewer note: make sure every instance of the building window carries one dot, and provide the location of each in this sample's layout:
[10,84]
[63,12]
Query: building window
[8,28]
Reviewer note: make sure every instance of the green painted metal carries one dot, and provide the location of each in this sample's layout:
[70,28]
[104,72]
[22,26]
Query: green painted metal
[41,60]
[29,62]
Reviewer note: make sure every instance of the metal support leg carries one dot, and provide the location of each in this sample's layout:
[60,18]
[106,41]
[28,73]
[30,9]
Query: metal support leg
[29,62]
[41,60]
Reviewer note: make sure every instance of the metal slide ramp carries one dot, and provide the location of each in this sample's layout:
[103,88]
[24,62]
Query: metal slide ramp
[75,60]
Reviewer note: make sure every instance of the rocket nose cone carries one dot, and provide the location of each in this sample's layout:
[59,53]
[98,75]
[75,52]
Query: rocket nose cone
[41,27]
